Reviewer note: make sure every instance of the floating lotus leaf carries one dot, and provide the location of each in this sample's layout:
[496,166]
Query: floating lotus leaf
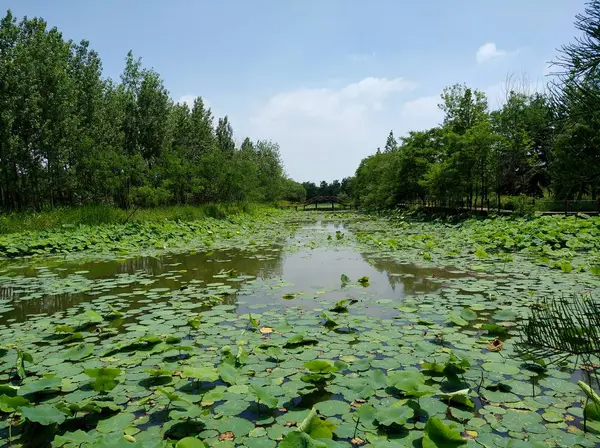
[190,442]
[394,415]
[208,374]
[79,352]
[44,414]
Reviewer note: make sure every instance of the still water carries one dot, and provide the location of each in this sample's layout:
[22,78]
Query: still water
[308,264]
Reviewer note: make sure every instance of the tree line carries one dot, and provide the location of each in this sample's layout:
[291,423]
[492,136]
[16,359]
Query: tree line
[536,144]
[69,136]
[336,188]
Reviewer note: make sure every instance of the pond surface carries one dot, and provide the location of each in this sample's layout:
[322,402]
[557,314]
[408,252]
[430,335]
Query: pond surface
[236,346]
[294,268]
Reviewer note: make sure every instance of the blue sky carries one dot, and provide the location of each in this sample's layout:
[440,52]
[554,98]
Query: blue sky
[326,79]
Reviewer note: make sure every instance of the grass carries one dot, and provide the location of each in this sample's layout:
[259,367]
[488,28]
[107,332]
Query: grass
[102,214]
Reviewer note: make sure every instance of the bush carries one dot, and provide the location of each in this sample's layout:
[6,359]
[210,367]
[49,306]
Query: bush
[146,196]
[521,205]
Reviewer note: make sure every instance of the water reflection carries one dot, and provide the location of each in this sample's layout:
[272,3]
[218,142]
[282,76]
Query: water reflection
[35,290]
[171,271]
[410,278]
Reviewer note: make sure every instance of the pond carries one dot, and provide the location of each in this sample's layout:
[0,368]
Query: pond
[235,346]
[49,289]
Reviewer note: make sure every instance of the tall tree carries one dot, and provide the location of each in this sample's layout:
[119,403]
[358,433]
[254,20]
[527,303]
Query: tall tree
[391,144]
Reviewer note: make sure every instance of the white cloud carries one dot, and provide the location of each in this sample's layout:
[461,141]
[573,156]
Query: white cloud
[422,113]
[324,133]
[488,52]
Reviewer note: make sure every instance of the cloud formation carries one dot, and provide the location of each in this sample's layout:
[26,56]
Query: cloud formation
[324,133]
[488,52]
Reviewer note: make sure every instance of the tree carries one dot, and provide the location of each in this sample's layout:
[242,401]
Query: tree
[391,144]
[576,97]
[463,107]
[311,189]
[70,137]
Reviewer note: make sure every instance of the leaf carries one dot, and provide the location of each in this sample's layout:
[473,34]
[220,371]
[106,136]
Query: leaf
[391,415]
[298,340]
[77,438]
[468,314]
[22,357]
[253,321]
[274,353]
[228,373]
[64,329]
[191,442]
[438,435]
[264,396]
[481,253]
[8,390]
[459,397]
[457,319]
[11,404]
[344,279]
[104,378]
[591,411]
[44,414]
[502,368]
[195,322]
[321,366]
[505,314]
[242,355]
[79,352]
[91,316]
[316,427]
[410,382]
[329,322]
[266,330]
[171,396]
[592,395]
[297,439]
[494,329]
[366,413]
[206,374]
[341,306]
[46,383]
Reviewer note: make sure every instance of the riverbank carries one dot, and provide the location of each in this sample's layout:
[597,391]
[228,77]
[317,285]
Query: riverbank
[92,215]
[114,232]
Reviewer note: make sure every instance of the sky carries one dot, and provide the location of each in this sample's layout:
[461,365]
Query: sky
[325,79]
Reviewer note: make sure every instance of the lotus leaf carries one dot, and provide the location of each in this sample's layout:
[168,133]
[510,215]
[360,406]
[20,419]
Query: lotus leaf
[44,414]
[439,435]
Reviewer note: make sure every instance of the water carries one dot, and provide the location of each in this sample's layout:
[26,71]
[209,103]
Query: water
[296,267]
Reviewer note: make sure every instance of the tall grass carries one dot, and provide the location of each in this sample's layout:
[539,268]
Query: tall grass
[93,215]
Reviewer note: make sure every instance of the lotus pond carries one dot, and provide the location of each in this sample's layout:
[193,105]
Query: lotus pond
[293,331]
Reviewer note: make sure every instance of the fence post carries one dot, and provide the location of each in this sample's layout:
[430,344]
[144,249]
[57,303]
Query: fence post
[566,207]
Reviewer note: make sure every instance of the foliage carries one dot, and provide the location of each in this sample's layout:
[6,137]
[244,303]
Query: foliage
[70,137]
[153,351]
[535,143]
[560,327]
[152,230]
